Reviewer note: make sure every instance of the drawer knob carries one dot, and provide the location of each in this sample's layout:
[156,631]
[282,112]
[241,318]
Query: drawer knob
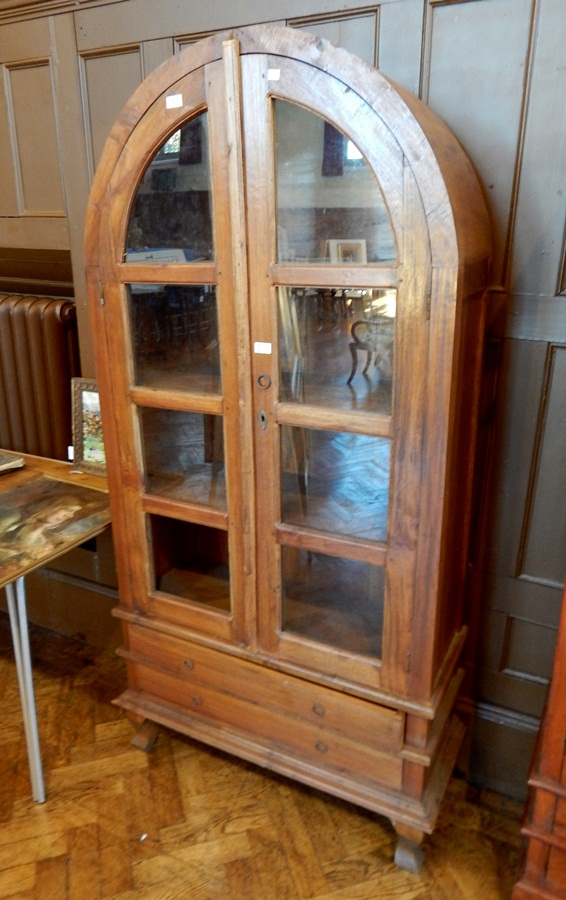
[318,710]
[188,664]
[321,747]
[197,701]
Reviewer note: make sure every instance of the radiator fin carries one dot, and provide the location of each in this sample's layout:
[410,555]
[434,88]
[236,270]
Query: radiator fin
[39,354]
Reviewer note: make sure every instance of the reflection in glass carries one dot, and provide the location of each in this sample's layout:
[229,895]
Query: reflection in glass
[336,347]
[329,205]
[171,217]
[175,336]
[334,601]
[335,481]
[191,562]
[184,456]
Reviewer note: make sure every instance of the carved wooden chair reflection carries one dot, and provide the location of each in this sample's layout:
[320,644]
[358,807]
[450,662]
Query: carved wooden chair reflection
[375,337]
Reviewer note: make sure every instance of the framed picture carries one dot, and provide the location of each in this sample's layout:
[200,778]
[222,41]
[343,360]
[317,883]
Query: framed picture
[347,253]
[88,441]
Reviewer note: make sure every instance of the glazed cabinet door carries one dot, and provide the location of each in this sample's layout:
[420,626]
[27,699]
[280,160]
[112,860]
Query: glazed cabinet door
[336,400]
[267,342]
[176,367]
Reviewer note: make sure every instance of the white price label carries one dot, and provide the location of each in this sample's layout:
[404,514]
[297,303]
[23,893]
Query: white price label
[174,101]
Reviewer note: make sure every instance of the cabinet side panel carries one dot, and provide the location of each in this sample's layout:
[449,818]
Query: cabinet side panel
[460,471]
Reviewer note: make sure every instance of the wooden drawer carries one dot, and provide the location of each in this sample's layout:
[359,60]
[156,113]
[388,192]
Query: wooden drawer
[283,712]
[273,729]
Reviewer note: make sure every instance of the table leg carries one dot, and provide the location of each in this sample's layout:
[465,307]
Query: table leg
[20,637]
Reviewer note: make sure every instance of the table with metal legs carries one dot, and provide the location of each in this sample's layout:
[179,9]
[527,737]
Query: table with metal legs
[46,509]
[16,597]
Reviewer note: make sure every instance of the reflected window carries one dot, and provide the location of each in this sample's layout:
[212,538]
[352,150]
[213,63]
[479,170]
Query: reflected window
[330,208]
[171,218]
[353,155]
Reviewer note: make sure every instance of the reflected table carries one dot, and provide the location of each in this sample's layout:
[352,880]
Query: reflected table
[46,509]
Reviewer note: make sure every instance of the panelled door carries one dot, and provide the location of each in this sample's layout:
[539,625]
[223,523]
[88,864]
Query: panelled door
[265,336]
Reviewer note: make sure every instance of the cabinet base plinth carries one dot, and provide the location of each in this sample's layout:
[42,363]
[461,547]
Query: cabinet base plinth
[411,817]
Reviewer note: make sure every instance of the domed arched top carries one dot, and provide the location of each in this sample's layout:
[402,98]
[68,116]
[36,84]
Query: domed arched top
[453,201]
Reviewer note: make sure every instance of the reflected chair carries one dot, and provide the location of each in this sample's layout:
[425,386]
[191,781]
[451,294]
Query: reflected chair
[374,337]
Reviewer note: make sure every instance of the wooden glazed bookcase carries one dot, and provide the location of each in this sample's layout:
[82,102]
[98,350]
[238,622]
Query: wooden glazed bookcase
[291,531]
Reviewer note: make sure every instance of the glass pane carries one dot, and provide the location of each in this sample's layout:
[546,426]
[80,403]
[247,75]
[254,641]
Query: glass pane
[329,205]
[191,561]
[336,347]
[184,456]
[175,337]
[332,600]
[335,481]
[171,218]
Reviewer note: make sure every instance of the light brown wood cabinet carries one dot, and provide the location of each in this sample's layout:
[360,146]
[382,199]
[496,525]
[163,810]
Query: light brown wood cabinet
[286,258]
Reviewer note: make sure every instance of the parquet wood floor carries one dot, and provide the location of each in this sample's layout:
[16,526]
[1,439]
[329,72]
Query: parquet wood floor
[185,821]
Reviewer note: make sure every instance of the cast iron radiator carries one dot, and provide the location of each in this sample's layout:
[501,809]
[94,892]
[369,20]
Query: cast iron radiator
[39,354]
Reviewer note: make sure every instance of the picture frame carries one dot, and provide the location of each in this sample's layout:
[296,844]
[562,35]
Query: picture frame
[88,440]
[347,252]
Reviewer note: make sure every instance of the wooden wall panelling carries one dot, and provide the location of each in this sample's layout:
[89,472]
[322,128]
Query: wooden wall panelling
[502,745]
[155,53]
[544,527]
[32,206]
[20,10]
[356,32]
[108,79]
[515,420]
[25,40]
[514,660]
[136,20]
[387,35]
[516,580]
[73,152]
[9,203]
[541,200]
[24,271]
[529,432]
[561,287]
[35,137]
[400,42]
[474,78]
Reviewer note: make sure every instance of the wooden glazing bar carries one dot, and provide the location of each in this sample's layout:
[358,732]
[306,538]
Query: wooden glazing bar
[168,273]
[305,416]
[331,544]
[186,512]
[205,403]
[324,275]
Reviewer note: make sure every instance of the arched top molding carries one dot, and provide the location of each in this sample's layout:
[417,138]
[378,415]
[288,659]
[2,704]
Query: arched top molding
[453,201]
